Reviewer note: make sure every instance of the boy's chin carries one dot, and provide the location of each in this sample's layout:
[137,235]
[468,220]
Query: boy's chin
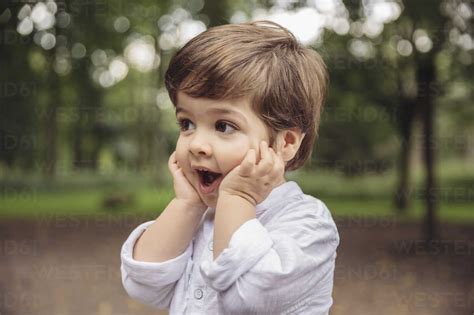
[210,201]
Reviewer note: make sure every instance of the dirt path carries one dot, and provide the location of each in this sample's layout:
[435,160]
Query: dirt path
[383,268]
[60,265]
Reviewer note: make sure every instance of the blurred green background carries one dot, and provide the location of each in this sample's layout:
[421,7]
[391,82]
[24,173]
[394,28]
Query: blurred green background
[86,125]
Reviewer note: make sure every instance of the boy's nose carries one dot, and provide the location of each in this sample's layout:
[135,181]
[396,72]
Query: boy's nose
[200,145]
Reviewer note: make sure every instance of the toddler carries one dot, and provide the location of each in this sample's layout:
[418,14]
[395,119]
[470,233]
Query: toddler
[238,238]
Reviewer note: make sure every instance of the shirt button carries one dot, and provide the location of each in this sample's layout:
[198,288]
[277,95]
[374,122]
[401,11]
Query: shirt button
[210,245]
[198,294]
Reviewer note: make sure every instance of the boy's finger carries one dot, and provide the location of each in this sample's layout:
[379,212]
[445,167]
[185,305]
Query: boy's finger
[173,163]
[279,163]
[171,159]
[270,154]
[276,153]
[266,163]
[264,154]
[279,154]
[252,157]
[248,162]
[275,156]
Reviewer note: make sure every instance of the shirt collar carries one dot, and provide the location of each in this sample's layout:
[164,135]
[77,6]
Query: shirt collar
[277,195]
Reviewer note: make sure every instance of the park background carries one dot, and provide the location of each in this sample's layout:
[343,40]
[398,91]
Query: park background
[86,129]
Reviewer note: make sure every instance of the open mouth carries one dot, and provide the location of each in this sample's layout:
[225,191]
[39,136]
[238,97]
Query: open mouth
[207,178]
[208,181]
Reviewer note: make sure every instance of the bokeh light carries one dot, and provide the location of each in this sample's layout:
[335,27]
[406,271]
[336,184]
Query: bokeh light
[140,54]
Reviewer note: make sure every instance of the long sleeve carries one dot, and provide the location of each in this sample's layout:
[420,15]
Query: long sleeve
[287,266]
[147,282]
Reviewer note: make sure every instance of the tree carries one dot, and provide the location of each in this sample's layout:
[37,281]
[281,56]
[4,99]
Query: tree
[391,61]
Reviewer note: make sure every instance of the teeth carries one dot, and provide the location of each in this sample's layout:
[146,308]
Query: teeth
[207,171]
[203,170]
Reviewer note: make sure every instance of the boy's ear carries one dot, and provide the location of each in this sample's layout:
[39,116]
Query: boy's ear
[288,142]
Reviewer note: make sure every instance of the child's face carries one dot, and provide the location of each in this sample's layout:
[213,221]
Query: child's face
[215,140]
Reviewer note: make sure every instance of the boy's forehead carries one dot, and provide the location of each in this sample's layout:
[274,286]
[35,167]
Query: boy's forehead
[187,104]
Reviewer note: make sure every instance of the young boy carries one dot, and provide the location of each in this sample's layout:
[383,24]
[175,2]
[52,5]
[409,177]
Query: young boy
[238,238]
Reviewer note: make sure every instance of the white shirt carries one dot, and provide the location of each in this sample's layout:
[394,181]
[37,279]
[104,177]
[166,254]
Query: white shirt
[282,262]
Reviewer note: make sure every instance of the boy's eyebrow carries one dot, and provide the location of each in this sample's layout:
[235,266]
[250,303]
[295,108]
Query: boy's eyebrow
[217,111]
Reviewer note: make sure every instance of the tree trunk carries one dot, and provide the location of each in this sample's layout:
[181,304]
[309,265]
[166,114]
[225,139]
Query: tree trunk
[406,120]
[86,152]
[426,78]
[77,140]
[51,125]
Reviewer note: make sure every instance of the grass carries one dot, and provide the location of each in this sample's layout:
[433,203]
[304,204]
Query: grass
[363,196]
[446,212]
[80,203]
[149,202]
[455,183]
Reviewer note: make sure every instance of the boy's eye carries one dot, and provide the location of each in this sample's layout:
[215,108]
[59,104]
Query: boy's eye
[221,125]
[183,124]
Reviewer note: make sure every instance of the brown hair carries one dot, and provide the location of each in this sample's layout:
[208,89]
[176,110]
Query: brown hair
[285,82]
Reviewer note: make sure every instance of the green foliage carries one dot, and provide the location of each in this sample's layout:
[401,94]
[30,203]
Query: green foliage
[59,120]
[360,197]
[355,139]
[361,120]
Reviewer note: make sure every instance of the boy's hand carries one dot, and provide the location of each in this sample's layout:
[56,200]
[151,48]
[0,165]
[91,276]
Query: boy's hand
[252,181]
[183,189]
